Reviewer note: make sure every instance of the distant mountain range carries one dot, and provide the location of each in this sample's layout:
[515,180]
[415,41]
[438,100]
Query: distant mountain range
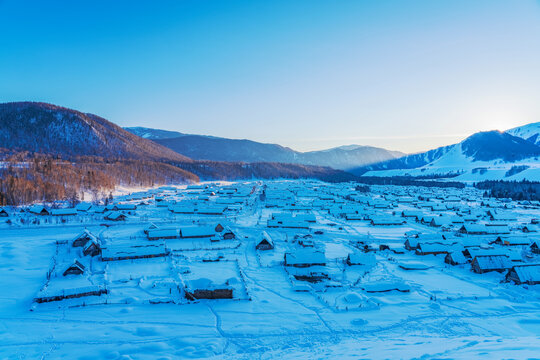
[28,127]
[202,147]
[511,155]
[32,127]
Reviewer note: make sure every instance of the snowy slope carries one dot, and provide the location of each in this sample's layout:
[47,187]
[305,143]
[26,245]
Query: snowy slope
[529,132]
[482,156]
[469,169]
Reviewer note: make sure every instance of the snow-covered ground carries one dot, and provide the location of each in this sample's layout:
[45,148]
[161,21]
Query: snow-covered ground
[146,312]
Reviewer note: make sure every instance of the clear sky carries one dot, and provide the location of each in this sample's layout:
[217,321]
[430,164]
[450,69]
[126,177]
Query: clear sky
[308,74]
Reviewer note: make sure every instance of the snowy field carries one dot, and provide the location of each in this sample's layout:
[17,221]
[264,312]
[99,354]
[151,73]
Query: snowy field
[131,297]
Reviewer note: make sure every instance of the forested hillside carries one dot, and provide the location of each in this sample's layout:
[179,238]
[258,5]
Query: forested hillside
[27,178]
[50,129]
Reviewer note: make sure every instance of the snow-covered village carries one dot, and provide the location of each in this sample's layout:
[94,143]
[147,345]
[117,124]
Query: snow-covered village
[259,180]
[267,268]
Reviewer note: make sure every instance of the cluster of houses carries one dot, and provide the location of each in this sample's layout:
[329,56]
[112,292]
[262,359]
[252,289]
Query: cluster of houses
[195,231]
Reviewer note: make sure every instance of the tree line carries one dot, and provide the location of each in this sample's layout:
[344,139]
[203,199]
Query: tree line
[27,177]
[515,190]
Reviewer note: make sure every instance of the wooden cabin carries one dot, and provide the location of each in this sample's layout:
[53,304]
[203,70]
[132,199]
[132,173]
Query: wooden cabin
[386,221]
[305,258]
[74,269]
[478,229]
[93,290]
[360,258]
[524,274]
[434,248]
[83,238]
[197,232]
[265,243]
[117,253]
[159,234]
[206,289]
[535,247]
[455,258]
[228,234]
[64,212]
[486,263]
[512,240]
[83,207]
[38,210]
[115,216]
[125,207]
[92,248]
[151,226]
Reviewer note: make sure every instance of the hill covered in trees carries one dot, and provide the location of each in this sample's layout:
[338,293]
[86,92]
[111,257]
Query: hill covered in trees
[26,178]
[54,130]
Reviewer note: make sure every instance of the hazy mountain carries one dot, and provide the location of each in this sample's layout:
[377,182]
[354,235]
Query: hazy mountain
[484,155]
[153,134]
[201,147]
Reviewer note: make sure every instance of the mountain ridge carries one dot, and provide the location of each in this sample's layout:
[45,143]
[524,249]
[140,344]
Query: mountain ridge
[203,147]
[43,132]
[45,128]
[482,156]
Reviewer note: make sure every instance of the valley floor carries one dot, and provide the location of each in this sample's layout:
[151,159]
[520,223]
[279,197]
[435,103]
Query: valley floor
[449,312]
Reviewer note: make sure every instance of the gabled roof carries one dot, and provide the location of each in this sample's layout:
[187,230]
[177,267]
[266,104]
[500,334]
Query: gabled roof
[83,206]
[527,272]
[490,262]
[85,233]
[76,265]
[37,209]
[113,215]
[458,257]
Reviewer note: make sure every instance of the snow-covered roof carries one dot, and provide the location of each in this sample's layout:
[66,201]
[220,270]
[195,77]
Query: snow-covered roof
[493,262]
[305,257]
[197,231]
[528,272]
[163,233]
[64,212]
[458,257]
[126,251]
[83,206]
[361,258]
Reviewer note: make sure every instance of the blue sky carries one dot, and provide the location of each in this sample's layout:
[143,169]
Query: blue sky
[405,75]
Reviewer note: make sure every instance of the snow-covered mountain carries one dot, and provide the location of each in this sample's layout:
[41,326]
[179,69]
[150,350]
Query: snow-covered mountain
[529,132]
[482,156]
[202,147]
